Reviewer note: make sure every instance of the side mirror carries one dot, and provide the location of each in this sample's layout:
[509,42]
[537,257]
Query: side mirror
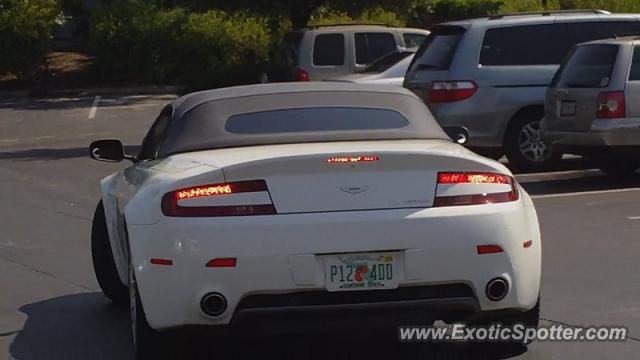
[110,150]
[458,134]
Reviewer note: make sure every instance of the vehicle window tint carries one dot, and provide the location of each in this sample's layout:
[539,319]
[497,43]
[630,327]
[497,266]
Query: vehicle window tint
[438,49]
[386,62]
[596,30]
[589,66]
[328,50]
[413,40]
[634,74]
[315,119]
[153,139]
[525,45]
[371,46]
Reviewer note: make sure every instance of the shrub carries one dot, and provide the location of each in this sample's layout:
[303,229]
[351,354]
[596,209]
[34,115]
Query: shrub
[141,43]
[25,34]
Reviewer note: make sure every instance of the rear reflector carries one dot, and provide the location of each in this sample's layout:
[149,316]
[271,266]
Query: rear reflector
[527,244]
[172,207]
[166,262]
[471,188]
[451,91]
[489,249]
[352,159]
[611,105]
[222,262]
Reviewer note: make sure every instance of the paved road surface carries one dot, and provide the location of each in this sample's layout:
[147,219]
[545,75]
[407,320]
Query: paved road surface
[51,308]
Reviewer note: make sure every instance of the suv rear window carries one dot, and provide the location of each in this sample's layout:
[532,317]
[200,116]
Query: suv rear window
[328,50]
[315,119]
[544,44]
[634,74]
[371,46]
[438,50]
[589,66]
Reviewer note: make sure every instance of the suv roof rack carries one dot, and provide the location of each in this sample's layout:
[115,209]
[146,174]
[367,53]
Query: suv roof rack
[550,12]
[350,24]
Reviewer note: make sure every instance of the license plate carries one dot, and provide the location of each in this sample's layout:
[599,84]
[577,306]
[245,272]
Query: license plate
[567,108]
[368,271]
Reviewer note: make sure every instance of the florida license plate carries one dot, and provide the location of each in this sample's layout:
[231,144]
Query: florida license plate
[367,271]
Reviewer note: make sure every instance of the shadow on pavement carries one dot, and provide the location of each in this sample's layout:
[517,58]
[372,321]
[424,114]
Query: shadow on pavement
[82,326]
[599,182]
[88,326]
[54,154]
[73,102]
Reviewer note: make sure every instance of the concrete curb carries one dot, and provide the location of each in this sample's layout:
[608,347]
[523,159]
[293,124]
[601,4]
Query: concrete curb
[123,91]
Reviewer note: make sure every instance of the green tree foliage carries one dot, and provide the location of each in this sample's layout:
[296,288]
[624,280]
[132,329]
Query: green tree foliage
[139,42]
[425,13]
[25,34]
[299,12]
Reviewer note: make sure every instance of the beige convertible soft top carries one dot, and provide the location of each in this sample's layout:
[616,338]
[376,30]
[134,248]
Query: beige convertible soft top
[287,113]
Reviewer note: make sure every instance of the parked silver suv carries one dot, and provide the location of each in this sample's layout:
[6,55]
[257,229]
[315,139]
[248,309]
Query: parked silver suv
[322,52]
[490,75]
[593,104]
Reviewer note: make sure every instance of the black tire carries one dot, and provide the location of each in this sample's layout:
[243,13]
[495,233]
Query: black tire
[537,156]
[148,343]
[103,263]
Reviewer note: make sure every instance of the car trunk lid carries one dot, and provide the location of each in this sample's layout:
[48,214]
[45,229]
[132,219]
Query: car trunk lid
[345,176]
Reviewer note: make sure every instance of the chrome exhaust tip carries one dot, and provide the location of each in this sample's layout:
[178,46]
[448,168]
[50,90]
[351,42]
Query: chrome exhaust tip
[497,289]
[213,304]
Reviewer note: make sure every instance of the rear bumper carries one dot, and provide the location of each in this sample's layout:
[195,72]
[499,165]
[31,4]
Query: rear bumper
[620,134]
[283,255]
[321,310]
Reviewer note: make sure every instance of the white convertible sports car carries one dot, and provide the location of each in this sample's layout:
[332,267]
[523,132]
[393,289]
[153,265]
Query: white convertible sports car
[284,201]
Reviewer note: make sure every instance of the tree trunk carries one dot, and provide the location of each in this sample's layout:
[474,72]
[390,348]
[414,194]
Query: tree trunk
[300,11]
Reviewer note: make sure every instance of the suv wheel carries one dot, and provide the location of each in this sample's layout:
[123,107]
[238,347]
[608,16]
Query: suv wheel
[524,146]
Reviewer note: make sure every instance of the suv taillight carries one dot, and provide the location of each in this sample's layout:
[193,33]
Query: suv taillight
[451,91]
[227,199]
[302,75]
[611,105]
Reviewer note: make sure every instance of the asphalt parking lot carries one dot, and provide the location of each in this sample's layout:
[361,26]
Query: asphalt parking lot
[51,307]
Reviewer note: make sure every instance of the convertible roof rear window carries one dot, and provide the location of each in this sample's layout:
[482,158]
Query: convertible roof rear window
[300,117]
[315,119]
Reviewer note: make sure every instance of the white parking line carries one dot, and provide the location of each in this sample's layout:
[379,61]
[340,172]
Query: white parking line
[633,217]
[94,107]
[595,192]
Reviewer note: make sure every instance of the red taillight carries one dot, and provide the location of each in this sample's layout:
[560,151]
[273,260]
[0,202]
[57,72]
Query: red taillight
[471,188]
[611,105]
[165,262]
[489,249]
[172,207]
[302,75]
[451,91]
[352,159]
[222,262]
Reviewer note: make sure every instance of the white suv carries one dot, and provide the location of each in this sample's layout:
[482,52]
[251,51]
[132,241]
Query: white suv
[319,53]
